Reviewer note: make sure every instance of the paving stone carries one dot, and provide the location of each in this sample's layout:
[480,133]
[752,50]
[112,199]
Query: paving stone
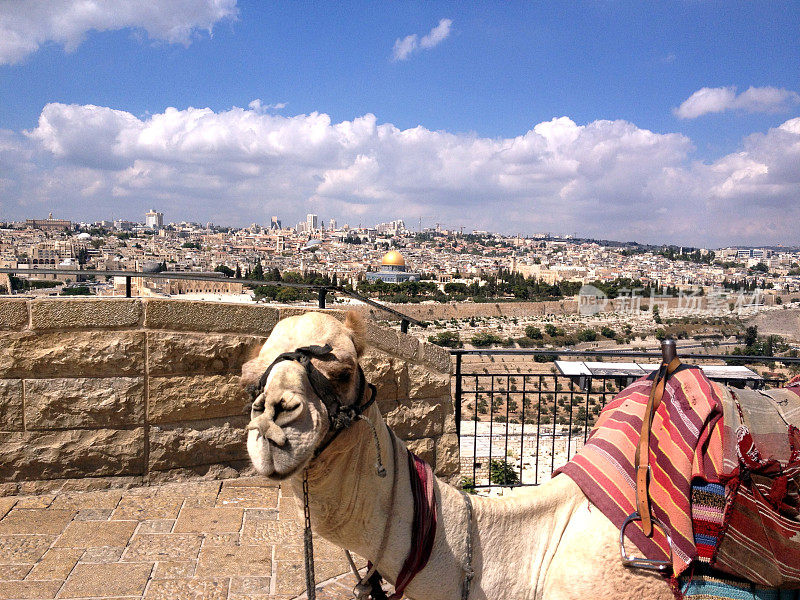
[142,508]
[174,570]
[250,585]
[103,554]
[15,549]
[98,580]
[188,589]
[93,534]
[94,514]
[229,561]
[189,488]
[6,504]
[216,520]
[155,526]
[221,539]
[200,502]
[41,521]
[29,589]
[290,577]
[272,532]
[152,547]
[13,572]
[258,514]
[56,564]
[42,501]
[257,481]
[257,497]
[103,499]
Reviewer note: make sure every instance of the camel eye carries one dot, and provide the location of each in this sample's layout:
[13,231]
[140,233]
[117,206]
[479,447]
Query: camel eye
[341,375]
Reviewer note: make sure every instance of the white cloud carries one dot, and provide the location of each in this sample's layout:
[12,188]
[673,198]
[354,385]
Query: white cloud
[607,179]
[754,99]
[25,25]
[257,106]
[404,47]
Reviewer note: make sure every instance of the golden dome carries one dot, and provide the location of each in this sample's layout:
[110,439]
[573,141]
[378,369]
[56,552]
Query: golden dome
[393,258]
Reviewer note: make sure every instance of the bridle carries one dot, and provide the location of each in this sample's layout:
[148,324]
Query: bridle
[340,416]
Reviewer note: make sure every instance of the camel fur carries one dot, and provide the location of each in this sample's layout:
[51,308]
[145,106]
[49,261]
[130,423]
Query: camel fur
[546,542]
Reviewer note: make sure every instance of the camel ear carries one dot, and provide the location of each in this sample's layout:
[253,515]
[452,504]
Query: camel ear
[357,330]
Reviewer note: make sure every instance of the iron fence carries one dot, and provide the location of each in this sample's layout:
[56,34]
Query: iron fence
[519,421]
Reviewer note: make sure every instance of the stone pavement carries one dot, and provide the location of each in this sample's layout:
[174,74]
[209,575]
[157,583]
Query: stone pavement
[237,539]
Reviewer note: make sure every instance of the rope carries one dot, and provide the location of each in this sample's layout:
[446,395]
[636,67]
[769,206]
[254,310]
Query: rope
[466,582]
[308,542]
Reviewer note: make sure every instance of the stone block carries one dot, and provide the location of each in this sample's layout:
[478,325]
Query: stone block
[381,338]
[71,453]
[407,346]
[29,589]
[234,561]
[29,521]
[176,399]
[436,357]
[92,402]
[209,520]
[388,374]
[447,456]
[97,534]
[84,313]
[76,354]
[425,448]
[13,314]
[197,443]
[195,354]
[11,405]
[424,383]
[293,311]
[416,420]
[182,315]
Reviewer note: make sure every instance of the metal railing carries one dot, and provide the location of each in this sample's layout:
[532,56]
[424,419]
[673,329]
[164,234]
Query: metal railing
[516,425]
[322,290]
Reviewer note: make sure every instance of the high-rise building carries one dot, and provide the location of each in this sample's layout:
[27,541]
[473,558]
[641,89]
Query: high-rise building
[332,225]
[154,219]
[312,222]
[275,224]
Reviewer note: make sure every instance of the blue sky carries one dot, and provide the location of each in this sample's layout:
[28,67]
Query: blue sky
[655,116]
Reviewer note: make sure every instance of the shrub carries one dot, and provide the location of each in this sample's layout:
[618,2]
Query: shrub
[608,332]
[467,484]
[447,339]
[483,340]
[502,473]
[533,332]
[588,335]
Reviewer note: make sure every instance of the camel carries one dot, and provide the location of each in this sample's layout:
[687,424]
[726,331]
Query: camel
[546,542]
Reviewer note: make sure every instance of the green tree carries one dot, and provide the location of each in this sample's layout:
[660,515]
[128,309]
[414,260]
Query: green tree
[502,473]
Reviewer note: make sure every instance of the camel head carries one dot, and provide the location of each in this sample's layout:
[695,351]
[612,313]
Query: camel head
[289,420]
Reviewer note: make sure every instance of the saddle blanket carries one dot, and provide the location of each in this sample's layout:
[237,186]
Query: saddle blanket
[703,584]
[700,463]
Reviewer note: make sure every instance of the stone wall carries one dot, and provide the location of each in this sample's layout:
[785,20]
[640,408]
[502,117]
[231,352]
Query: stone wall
[127,391]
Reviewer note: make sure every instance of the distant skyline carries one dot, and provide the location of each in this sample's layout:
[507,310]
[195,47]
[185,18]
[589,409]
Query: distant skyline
[675,122]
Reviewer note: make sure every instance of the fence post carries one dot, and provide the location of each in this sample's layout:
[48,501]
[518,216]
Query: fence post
[403,325]
[128,286]
[458,396]
[322,293]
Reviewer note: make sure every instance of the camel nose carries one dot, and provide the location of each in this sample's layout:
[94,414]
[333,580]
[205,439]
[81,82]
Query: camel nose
[268,429]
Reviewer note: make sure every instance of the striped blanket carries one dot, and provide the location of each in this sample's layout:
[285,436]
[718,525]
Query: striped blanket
[698,467]
[681,448]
